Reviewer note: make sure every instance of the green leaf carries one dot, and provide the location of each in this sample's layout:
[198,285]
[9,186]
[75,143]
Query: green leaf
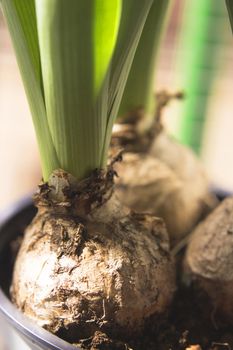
[21,21]
[105,35]
[134,15]
[75,57]
[139,90]
[229,4]
[76,41]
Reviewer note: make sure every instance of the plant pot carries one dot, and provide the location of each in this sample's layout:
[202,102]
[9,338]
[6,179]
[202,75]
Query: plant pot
[12,224]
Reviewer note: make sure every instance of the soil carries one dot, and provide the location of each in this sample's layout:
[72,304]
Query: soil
[192,324]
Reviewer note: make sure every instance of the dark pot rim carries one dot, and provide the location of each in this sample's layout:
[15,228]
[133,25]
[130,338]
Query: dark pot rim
[24,326]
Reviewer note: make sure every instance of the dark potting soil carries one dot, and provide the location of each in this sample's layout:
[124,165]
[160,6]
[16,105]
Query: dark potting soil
[191,324]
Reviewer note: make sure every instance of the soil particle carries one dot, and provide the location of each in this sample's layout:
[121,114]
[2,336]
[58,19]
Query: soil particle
[100,341]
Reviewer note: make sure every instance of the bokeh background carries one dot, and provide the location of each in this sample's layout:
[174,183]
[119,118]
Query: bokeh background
[196,57]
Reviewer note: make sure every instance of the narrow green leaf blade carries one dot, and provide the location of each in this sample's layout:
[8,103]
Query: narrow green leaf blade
[21,21]
[139,90]
[105,35]
[76,41]
[25,10]
[134,15]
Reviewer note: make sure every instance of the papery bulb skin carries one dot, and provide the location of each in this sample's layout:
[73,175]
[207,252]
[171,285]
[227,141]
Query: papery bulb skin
[209,258]
[103,268]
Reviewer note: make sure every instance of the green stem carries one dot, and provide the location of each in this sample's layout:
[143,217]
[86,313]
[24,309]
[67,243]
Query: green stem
[139,90]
